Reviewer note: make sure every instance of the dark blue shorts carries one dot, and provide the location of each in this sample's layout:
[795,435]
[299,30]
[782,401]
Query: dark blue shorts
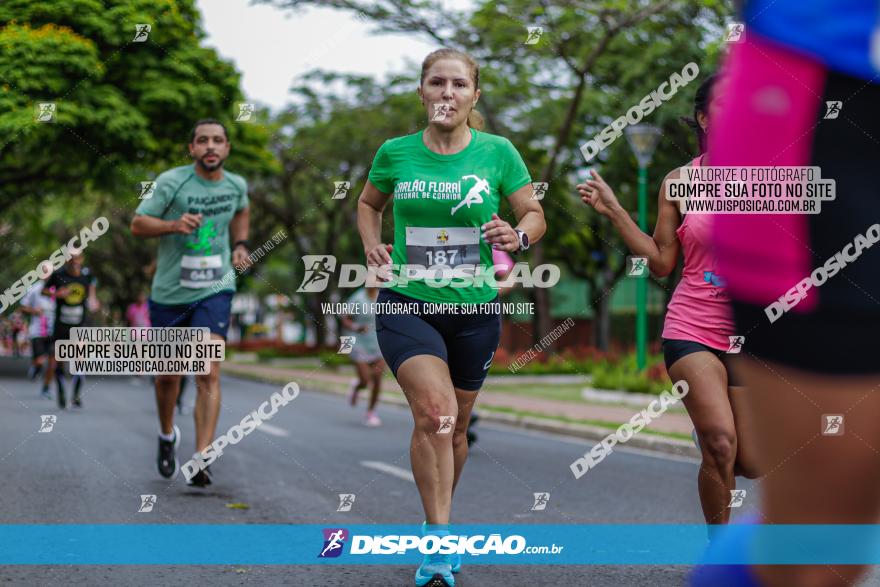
[211,312]
[466,342]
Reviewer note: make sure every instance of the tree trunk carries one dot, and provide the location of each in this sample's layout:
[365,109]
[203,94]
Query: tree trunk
[541,297]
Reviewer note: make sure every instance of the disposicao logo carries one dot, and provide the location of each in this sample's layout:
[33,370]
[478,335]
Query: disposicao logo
[334,541]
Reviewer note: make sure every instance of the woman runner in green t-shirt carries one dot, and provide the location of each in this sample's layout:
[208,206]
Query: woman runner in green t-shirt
[447,182]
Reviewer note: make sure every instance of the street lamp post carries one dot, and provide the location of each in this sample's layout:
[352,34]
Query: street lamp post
[642,139]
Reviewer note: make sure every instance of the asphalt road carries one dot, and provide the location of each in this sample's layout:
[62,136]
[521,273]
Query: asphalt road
[97,461]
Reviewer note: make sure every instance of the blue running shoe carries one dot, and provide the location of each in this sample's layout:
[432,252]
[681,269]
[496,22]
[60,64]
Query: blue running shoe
[732,542]
[435,571]
[455,562]
[454,559]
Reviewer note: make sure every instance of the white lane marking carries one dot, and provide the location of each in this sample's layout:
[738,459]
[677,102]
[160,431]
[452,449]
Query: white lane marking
[390,469]
[272,430]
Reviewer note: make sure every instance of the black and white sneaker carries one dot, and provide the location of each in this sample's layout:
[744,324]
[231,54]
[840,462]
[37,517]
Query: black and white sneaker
[167,461]
[202,478]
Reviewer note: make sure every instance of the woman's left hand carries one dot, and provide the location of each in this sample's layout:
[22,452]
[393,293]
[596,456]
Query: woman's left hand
[500,235]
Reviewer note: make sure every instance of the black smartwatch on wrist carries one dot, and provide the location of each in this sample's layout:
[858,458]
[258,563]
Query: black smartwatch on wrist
[523,239]
[246,244]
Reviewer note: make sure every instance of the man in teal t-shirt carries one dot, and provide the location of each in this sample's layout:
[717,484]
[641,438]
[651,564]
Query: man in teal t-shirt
[195,210]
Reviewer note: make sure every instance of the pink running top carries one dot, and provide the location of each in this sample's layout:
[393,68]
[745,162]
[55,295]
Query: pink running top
[778,91]
[699,309]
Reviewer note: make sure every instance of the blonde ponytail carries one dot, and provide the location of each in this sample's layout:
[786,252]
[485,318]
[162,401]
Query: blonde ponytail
[475,120]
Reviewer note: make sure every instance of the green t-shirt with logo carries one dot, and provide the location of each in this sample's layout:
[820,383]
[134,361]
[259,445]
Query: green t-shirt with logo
[440,203]
[189,265]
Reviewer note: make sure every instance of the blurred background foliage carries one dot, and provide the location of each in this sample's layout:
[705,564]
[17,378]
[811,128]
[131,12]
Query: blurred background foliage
[125,110]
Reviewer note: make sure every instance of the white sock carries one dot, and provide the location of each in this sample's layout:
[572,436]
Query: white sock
[166,437]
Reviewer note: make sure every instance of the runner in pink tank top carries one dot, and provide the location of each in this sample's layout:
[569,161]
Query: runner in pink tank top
[698,326]
[699,310]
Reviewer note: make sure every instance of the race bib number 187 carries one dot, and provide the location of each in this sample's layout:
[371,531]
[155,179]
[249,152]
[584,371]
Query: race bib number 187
[442,247]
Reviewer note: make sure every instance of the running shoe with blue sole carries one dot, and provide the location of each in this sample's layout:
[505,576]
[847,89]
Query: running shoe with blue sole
[435,571]
[454,559]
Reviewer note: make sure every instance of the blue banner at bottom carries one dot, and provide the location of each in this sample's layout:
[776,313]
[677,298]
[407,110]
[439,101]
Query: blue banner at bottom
[602,544]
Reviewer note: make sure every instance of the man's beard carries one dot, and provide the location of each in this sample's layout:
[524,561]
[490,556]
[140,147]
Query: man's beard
[210,168]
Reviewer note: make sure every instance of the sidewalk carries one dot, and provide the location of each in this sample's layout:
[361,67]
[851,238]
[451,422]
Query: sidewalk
[585,419]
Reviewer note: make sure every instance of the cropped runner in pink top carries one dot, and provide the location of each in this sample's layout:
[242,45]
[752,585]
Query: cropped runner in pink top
[697,328]
[699,310]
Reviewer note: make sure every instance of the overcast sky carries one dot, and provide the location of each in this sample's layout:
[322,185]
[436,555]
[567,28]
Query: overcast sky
[271,47]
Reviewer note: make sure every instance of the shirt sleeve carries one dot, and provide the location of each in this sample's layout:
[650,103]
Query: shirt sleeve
[516,174]
[382,172]
[158,203]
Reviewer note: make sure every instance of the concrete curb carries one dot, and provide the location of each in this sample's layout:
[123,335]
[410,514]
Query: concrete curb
[652,442]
